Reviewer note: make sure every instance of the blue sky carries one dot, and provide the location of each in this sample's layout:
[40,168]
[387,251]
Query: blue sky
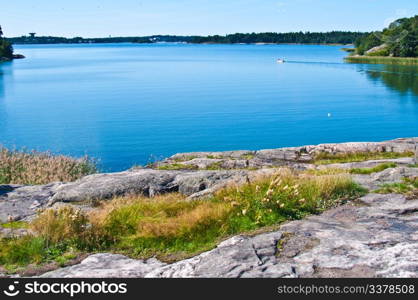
[100,18]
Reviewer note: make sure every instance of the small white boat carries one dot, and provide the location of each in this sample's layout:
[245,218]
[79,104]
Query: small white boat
[280,61]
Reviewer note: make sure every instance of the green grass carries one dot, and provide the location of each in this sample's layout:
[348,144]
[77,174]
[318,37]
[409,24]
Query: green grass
[214,166]
[407,186]
[177,166]
[18,253]
[248,156]
[172,227]
[382,60]
[15,225]
[324,158]
[326,171]
[184,158]
[378,168]
[214,156]
[22,251]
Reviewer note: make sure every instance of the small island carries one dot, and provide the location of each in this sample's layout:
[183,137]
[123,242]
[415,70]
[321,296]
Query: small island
[396,44]
[6,49]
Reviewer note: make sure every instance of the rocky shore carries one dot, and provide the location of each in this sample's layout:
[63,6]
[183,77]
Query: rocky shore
[374,236]
[15,56]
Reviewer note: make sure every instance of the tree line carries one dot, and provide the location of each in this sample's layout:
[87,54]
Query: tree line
[333,37]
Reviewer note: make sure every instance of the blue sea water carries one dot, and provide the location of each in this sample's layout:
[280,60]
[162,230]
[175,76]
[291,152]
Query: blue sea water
[128,104]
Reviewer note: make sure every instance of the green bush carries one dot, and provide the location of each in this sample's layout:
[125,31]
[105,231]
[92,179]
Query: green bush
[401,38]
[6,49]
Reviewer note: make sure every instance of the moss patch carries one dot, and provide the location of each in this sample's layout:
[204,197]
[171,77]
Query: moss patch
[378,168]
[184,158]
[15,225]
[327,158]
[177,166]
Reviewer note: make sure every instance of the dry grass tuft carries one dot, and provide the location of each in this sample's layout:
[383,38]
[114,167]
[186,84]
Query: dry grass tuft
[32,167]
[161,216]
[55,225]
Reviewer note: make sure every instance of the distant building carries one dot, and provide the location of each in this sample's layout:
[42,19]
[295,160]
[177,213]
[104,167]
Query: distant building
[32,34]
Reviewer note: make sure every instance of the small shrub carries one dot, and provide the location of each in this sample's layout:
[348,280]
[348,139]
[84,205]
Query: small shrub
[382,52]
[215,166]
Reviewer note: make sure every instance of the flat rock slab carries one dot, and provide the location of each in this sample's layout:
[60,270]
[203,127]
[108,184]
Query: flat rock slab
[147,182]
[376,237]
[297,157]
[17,202]
[107,266]
[375,180]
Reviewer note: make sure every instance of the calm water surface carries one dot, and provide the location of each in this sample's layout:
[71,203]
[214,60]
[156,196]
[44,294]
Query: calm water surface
[128,104]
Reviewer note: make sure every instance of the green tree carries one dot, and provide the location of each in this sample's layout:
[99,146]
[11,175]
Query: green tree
[6,49]
[400,39]
[367,42]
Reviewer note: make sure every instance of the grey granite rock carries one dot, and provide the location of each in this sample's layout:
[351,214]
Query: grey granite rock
[107,266]
[392,175]
[292,156]
[17,202]
[144,181]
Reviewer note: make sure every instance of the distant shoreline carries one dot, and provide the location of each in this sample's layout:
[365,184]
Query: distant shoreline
[330,37]
[205,43]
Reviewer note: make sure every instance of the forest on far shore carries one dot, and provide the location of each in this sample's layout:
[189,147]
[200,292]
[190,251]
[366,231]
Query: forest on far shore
[333,37]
